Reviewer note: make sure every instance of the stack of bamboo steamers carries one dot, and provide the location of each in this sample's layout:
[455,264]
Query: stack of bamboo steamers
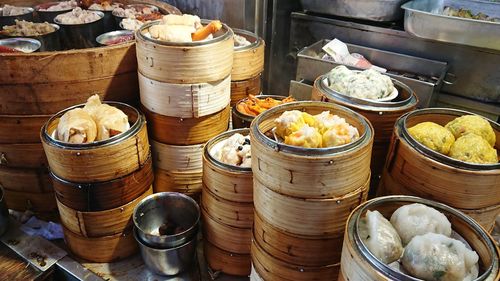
[98,185]
[185,94]
[247,68]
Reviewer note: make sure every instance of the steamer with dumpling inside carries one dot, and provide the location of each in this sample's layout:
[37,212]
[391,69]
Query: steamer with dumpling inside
[421,169]
[303,196]
[412,238]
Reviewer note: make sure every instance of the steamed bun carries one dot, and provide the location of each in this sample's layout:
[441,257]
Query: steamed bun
[433,136]
[472,124]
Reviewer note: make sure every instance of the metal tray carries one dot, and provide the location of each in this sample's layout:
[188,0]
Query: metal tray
[310,65]
[424,19]
[374,10]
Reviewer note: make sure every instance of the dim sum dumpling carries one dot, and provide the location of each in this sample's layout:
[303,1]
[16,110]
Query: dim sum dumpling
[308,137]
[435,257]
[76,126]
[417,219]
[380,237]
[291,121]
[473,149]
[433,136]
[472,124]
[110,120]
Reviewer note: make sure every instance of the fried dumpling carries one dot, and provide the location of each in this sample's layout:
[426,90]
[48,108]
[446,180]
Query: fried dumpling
[76,126]
[110,120]
[308,137]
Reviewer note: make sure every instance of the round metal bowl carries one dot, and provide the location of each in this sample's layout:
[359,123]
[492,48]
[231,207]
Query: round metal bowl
[103,38]
[11,20]
[49,41]
[406,121]
[108,20]
[241,120]
[81,36]
[216,140]
[464,226]
[118,19]
[49,16]
[25,45]
[158,209]
[170,261]
[251,37]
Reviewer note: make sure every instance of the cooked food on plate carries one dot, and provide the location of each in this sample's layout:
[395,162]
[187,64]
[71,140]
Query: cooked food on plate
[241,41]
[299,128]
[183,29]
[8,10]
[234,150]
[472,124]
[119,39]
[94,122]
[104,6]
[468,14]
[253,105]
[60,6]
[369,84]
[26,28]
[77,16]
[433,136]
[473,149]
[131,24]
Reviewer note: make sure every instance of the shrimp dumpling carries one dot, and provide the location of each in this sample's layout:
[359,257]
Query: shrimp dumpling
[76,126]
[308,137]
[417,219]
[380,237]
[435,257]
[110,120]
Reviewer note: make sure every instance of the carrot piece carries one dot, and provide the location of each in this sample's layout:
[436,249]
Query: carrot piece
[205,31]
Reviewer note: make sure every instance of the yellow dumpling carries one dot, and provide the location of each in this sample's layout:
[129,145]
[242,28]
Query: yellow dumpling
[433,136]
[472,124]
[307,136]
[292,121]
[473,149]
[340,134]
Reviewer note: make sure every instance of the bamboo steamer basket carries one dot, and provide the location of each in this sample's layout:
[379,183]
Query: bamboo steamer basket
[98,161]
[183,182]
[241,89]
[229,263]
[310,173]
[185,63]
[227,182]
[176,158]
[36,202]
[184,100]
[248,60]
[101,223]
[359,264]
[25,155]
[25,180]
[413,169]
[187,131]
[228,238]
[325,217]
[241,120]
[95,197]
[227,212]
[296,249]
[101,249]
[21,128]
[382,115]
[37,86]
[271,268]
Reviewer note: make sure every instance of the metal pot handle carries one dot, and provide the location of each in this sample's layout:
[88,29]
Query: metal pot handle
[449,79]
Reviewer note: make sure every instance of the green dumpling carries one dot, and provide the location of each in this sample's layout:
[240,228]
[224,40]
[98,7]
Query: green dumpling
[433,136]
[472,124]
[473,149]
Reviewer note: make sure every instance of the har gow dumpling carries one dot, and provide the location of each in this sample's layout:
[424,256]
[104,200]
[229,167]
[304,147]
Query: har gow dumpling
[417,219]
[110,120]
[76,126]
[435,257]
[380,237]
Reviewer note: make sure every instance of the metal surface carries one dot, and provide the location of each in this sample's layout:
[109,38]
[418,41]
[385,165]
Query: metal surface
[28,45]
[171,261]
[375,10]
[476,70]
[11,20]
[300,91]
[81,36]
[49,16]
[424,18]
[49,42]
[101,39]
[159,209]
[310,65]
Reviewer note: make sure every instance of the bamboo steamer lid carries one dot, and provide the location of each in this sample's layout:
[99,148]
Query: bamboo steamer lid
[183,182]
[36,85]
[100,196]
[358,264]
[227,212]
[101,249]
[17,129]
[25,155]
[310,173]
[185,63]
[228,182]
[100,223]
[229,263]
[248,60]
[229,238]
[26,180]
[98,161]
[241,89]
[184,100]
[187,131]
[177,158]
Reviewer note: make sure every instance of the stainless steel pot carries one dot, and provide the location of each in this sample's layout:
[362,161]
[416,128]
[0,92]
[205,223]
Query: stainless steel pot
[49,16]
[81,36]
[49,42]
[11,20]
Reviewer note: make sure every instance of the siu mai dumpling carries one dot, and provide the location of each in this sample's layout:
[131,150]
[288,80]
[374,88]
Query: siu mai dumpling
[291,121]
[308,137]
[110,120]
[76,126]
